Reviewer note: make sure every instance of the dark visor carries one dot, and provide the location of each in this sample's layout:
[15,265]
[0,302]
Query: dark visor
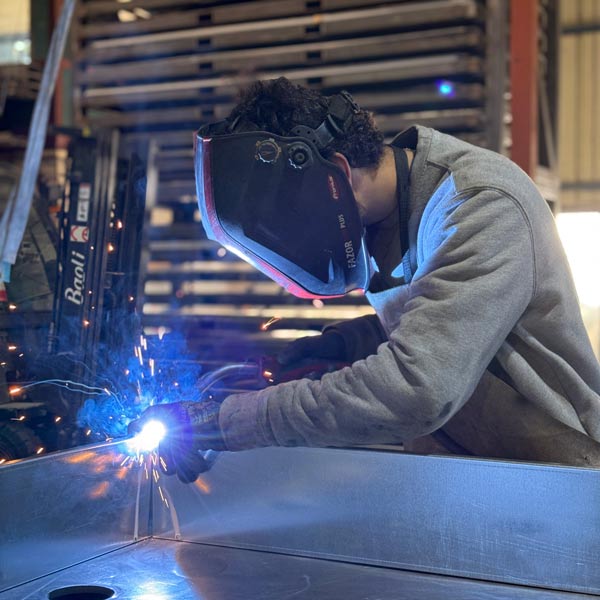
[279,205]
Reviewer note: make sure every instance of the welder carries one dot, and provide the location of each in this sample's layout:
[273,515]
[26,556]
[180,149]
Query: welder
[477,346]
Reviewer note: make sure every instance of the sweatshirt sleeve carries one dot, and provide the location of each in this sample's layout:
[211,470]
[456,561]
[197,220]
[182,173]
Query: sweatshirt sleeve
[475,279]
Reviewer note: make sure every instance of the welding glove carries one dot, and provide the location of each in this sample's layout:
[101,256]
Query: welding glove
[190,428]
[328,346]
[342,342]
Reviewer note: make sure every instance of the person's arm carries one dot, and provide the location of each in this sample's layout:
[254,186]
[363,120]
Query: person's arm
[474,281]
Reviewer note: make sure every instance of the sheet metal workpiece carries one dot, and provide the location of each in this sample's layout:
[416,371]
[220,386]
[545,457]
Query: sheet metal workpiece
[301,523]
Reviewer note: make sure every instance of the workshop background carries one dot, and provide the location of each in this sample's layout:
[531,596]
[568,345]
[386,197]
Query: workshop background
[129,300]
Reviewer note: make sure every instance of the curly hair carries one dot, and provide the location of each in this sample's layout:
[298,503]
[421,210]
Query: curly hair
[278,105]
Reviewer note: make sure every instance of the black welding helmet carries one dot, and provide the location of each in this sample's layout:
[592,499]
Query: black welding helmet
[277,203]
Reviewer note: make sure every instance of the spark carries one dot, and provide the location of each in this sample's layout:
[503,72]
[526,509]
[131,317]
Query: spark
[86,323]
[73,386]
[155,474]
[125,461]
[11,347]
[88,432]
[161,493]
[119,224]
[58,419]
[39,450]
[2,461]
[163,463]
[21,418]
[13,391]
[12,307]
[110,247]
[270,322]
[151,361]
[146,471]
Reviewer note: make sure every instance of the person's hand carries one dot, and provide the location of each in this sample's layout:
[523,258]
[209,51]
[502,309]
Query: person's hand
[328,346]
[190,428]
[308,357]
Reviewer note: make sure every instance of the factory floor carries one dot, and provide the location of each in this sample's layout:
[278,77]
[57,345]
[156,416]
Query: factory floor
[159,569]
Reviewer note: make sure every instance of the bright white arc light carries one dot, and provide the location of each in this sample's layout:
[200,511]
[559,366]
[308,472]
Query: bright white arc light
[149,437]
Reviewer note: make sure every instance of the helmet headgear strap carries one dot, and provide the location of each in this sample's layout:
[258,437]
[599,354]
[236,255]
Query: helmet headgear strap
[339,116]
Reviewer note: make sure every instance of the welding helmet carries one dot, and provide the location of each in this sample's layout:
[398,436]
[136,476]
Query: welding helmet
[276,202]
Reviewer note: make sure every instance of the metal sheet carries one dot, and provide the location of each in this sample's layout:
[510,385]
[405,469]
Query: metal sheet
[165,570]
[63,508]
[519,523]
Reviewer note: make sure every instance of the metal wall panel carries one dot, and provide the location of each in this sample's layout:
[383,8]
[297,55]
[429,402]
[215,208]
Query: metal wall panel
[510,522]
[513,523]
[63,508]
[579,150]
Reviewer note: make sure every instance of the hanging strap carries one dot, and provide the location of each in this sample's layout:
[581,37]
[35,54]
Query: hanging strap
[403,197]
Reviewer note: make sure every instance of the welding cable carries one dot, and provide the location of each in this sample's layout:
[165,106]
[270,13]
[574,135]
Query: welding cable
[235,370]
[14,219]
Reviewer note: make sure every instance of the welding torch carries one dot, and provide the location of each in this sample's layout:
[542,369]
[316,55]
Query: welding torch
[187,435]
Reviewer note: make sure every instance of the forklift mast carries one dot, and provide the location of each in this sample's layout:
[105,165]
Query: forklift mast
[98,260]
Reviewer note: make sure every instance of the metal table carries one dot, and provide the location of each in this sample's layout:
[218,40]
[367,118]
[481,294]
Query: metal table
[298,523]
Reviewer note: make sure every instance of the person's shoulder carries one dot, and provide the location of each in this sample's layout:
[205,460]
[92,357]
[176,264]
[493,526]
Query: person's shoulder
[475,168]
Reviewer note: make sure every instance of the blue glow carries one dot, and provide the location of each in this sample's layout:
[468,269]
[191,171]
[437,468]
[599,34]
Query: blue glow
[149,438]
[445,88]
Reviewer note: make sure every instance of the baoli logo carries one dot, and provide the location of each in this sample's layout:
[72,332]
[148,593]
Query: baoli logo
[74,294]
[333,188]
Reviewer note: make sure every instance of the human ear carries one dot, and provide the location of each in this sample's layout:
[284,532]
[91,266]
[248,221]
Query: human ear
[342,162]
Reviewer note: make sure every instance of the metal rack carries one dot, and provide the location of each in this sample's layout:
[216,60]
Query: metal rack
[441,63]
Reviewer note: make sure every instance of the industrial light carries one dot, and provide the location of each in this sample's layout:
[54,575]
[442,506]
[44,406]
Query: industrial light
[445,88]
[578,232]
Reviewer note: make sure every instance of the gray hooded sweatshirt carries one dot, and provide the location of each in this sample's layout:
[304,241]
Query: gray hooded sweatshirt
[478,334]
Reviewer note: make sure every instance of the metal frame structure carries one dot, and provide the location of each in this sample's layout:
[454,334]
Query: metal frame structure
[307,523]
[534,27]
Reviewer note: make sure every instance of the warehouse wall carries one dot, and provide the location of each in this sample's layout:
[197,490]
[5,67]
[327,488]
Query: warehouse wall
[579,152]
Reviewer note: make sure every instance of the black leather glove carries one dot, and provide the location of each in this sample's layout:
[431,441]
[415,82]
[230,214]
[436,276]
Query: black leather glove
[190,428]
[328,346]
